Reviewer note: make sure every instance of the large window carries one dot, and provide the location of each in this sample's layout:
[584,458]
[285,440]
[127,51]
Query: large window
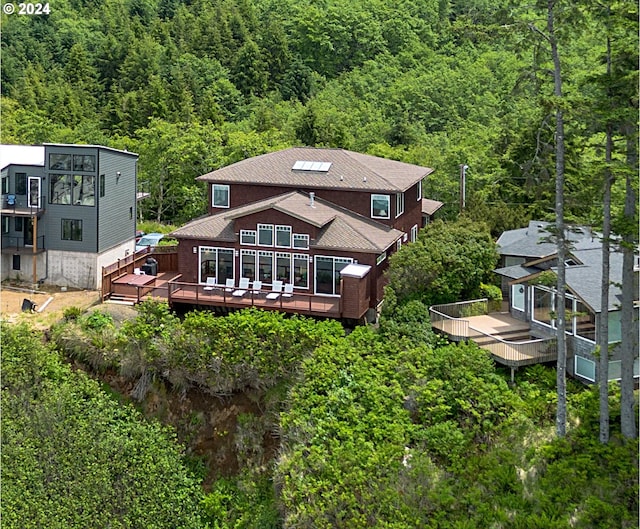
[60,162]
[265,234]
[85,163]
[517,297]
[580,321]
[248,264]
[220,196]
[5,185]
[327,275]
[5,224]
[60,188]
[265,266]
[300,271]
[84,190]
[283,236]
[414,233]
[380,206]
[399,204]
[71,229]
[283,267]
[216,262]
[542,303]
[21,183]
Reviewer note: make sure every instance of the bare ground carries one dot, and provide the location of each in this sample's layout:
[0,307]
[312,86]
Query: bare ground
[50,302]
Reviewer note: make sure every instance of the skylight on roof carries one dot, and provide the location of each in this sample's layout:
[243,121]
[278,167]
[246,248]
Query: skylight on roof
[301,165]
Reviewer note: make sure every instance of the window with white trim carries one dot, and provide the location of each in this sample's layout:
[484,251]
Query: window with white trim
[419,191]
[381,258]
[398,244]
[399,204]
[300,271]
[414,233]
[585,368]
[283,267]
[218,263]
[248,237]
[327,274]
[283,236]
[265,234]
[517,297]
[265,266]
[380,206]
[248,264]
[220,195]
[615,369]
[300,241]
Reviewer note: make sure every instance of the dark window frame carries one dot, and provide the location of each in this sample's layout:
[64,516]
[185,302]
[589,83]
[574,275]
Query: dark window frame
[71,230]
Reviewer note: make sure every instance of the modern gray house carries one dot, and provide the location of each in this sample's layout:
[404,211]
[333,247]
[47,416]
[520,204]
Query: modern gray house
[528,256]
[67,211]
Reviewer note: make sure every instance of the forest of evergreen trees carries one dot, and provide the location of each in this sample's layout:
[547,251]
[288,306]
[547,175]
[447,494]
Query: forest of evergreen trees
[195,85]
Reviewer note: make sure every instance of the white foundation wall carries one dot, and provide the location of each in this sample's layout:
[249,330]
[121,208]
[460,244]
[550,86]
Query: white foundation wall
[81,269]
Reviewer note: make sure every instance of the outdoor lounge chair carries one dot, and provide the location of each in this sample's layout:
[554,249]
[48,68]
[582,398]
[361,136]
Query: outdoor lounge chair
[256,287]
[229,285]
[243,286]
[276,290]
[210,284]
[288,290]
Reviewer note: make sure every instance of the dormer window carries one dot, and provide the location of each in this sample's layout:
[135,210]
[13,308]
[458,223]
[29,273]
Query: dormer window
[220,196]
[380,206]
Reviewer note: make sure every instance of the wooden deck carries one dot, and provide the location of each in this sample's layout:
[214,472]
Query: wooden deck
[506,338]
[299,303]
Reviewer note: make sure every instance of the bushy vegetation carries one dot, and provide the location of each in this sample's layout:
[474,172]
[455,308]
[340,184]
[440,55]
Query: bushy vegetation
[73,457]
[383,428]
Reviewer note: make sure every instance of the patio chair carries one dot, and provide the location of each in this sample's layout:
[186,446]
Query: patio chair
[256,287]
[139,272]
[288,290]
[210,284]
[11,201]
[229,285]
[243,286]
[276,290]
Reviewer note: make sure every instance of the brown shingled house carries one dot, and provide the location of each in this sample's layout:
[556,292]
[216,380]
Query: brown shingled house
[321,220]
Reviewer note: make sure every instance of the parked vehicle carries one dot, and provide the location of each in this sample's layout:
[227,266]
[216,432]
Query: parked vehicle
[149,239]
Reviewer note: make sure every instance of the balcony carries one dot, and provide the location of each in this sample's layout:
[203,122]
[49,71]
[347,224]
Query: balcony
[507,339]
[18,245]
[19,206]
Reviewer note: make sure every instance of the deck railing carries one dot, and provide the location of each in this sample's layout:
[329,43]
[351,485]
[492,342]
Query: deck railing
[515,353]
[299,302]
[449,317]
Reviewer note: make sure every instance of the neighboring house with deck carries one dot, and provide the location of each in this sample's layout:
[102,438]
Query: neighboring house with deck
[302,216]
[526,254]
[67,211]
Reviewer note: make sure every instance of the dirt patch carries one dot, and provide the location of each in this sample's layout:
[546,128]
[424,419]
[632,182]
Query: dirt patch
[50,303]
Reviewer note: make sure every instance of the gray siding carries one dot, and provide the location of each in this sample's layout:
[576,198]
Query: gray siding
[52,220]
[117,209]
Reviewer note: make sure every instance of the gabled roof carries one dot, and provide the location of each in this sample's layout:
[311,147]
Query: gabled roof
[533,241]
[340,229]
[583,277]
[21,155]
[347,170]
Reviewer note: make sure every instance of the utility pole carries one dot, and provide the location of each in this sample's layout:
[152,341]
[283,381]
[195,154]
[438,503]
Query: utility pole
[463,186]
